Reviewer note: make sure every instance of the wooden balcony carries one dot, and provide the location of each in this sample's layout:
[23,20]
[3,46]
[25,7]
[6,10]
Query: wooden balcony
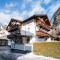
[42,34]
[43,24]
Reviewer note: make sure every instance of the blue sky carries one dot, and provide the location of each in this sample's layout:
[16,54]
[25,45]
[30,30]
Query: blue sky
[22,9]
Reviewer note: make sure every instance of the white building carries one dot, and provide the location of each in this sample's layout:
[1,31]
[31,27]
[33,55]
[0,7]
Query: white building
[36,28]
[3,36]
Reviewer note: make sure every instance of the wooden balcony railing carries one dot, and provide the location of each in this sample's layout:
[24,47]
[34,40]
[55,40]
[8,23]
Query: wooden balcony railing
[43,24]
[42,34]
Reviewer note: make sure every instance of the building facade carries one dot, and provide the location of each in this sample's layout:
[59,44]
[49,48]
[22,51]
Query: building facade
[30,30]
[36,27]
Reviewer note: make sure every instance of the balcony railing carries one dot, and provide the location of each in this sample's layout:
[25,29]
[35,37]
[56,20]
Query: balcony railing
[43,24]
[42,34]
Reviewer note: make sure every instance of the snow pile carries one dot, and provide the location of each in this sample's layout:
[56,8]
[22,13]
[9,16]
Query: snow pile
[31,56]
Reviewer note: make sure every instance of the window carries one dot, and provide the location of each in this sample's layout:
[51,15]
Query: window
[42,39]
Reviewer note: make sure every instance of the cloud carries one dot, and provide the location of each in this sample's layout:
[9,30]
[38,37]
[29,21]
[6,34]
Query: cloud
[38,9]
[27,1]
[9,6]
[23,6]
[47,1]
[16,15]
[42,1]
[5,18]
[7,11]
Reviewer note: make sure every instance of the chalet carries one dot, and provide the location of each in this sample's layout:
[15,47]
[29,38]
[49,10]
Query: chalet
[36,27]
[28,31]
[14,29]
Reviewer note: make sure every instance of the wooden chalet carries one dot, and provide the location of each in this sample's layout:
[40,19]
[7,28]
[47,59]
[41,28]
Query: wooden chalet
[14,29]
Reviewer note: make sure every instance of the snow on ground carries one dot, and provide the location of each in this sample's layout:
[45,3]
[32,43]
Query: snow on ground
[31,56]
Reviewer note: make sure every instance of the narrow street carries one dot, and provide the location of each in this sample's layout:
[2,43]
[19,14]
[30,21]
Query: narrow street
[7,54]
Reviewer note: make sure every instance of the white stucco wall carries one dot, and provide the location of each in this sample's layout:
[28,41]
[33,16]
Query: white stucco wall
[29,30]
[28,27]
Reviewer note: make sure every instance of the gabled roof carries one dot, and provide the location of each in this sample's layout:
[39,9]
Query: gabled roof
[34,17]
[13,20]
[44,16]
